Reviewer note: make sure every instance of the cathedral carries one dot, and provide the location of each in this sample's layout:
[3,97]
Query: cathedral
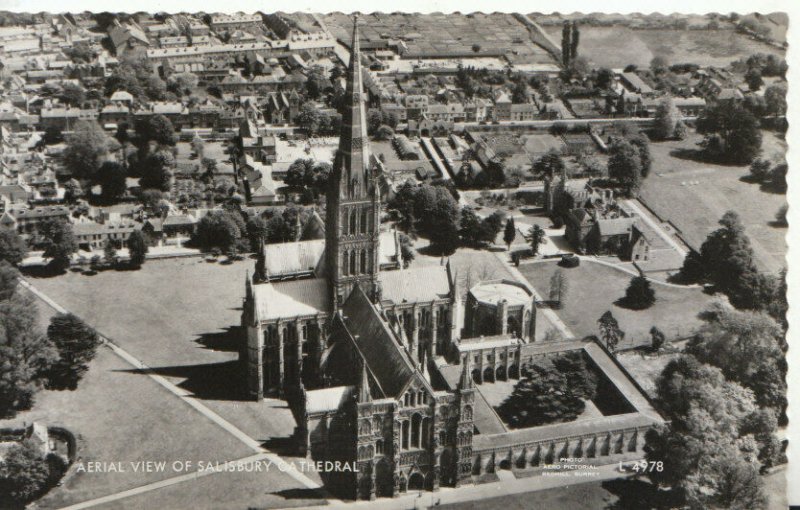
[369,353]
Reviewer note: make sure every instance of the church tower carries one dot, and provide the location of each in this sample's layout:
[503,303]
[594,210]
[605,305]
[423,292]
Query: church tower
[353,201]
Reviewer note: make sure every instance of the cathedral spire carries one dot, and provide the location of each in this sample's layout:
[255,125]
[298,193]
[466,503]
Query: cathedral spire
[364,395]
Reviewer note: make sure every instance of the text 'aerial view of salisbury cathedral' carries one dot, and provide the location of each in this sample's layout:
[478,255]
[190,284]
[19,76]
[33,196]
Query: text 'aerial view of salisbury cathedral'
[282,260]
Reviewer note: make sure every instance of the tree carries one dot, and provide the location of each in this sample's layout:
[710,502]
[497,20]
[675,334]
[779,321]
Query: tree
[573,45]
[657,339]
[406,249]
[72,190]
[604,78]
[639,294]
[642,145]
[519,92]
[625,166]
[753,79]
[9,278]
[219,229]
[384,132]
[510,232]
[780,216]
[183,83]
[609,331]
[580,378]
[749,349]
[566,40]
[110,252]
[76,343]
[12,247]
[659,65]
[476,48]
[775,99]
[112,177]
[52,135]
[58,242]
[759,169]
[198,146]
[469,227]
[559,287]
[27,354]
[550,164]
[72,94]
[308,118]
[666,119]
[732,132]
[777,177]
[155,169]
[23,473]
[536,237]
[543,395]
[256,229]
[138,246]
[157,128]
[87,147]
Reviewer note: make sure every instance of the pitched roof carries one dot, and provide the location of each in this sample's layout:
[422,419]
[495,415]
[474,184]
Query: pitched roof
[387,362]
[327,399]
[292,298]
[614,227]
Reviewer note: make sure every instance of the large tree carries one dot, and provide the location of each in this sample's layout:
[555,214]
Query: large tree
[138,247]
[157,128]
[23,474]
[543,395]
[12,247]
[666,119]
[58,242]
[219,229]
[550,164]
[732,132]
[639,294]
[510,232]
[112,178]
[25,352]
[536,237]
[625,166]
[156,170]
[87,147]
[775,99]
[749,348]
[76,343]
[610,332]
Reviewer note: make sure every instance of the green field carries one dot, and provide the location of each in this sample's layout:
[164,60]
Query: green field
[618,46]
[180,317]
[693,195]
[594,288]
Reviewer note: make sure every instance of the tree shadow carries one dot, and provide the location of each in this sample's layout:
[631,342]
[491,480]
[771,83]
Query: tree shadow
[46,271]
[623,302]
[701,156]
[283,446]
[231,339]
[309,494]
[211,381]
[634,494]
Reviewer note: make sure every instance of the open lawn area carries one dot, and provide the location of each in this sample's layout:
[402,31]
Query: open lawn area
[180,317]
[618,46]
[693,195]
[645,368]
[594,288]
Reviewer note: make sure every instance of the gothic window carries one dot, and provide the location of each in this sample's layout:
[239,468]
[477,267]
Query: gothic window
[416,430]
[353,268]
[353,219]
[467,413]
[377,424]
[363,262]
[364,220]
[364,428]
[379,446]
[404,433]
[407,399]
[345,262]
[442,437]
[345,221]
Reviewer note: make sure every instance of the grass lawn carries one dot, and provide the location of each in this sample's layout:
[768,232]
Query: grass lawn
[181,317]
[618,46]
[593,289]
[645,369]
[693,196]
[571,497]
[120,416]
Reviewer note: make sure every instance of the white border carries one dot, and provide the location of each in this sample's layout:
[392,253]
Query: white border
[610,6]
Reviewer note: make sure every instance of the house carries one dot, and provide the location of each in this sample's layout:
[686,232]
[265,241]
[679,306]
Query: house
[128,38]
[91,236]
[27,220]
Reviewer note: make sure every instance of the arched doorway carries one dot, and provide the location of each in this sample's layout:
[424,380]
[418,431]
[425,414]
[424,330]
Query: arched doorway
[488,375]
[501,374]
[416,482]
